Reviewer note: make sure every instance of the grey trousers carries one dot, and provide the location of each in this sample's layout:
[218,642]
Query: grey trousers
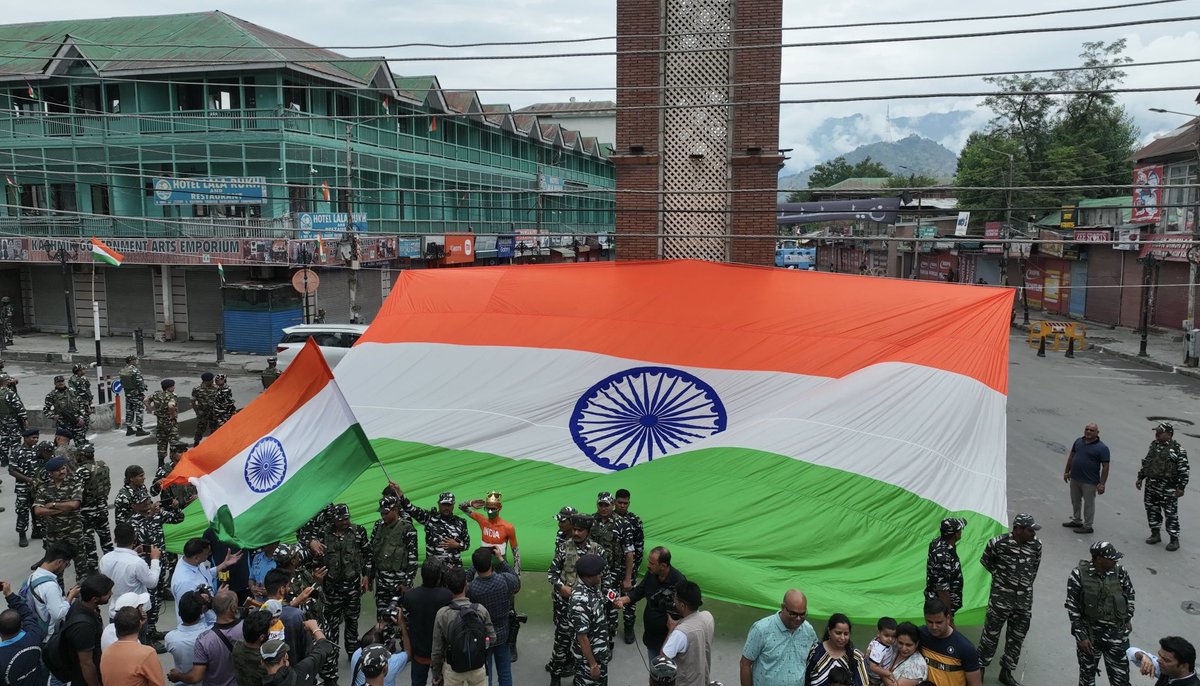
[1083,494]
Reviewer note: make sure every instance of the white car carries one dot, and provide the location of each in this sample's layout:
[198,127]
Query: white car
[335,341]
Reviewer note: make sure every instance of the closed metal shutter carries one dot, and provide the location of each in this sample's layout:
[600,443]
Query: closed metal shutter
[130,299]
[49,309]
[334,296]
[204,307]
[1102,302]
[370,294]
[1078,297]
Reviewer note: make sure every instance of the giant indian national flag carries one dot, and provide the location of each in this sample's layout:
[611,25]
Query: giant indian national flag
[776,428]
[279,460]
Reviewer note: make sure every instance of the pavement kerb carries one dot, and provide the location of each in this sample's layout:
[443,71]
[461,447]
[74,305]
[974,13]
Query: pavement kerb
[1133,357]
[146,363]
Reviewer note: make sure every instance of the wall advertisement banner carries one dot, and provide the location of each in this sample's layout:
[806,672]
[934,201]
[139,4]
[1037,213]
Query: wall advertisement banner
[1147,194]
[218,190]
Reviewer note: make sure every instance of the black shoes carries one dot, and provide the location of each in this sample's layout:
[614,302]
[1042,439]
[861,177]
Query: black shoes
[24,542]
[1174,544]
[1007,678]
[629,637]
[1154,537]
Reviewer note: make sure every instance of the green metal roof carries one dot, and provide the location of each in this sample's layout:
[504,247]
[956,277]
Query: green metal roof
[172,42]
[1113,201]
[859,183]
[416,86]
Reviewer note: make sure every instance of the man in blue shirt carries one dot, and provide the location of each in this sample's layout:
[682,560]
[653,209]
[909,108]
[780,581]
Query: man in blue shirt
[1087,474]
[195,570]
[21,638]
[776,650]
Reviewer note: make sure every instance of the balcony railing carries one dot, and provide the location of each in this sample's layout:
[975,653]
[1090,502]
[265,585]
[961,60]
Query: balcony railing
[264,121]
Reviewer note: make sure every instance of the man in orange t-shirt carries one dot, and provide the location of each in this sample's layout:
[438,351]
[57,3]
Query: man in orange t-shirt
[501,535]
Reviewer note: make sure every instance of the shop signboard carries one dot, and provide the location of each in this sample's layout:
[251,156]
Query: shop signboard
[218,190]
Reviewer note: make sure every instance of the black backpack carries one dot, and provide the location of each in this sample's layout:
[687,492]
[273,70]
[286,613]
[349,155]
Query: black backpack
[467,648]
[54,653]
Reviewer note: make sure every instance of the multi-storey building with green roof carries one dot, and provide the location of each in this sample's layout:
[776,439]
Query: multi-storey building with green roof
[104,121]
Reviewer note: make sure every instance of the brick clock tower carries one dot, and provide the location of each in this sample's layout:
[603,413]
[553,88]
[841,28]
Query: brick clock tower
[697,117]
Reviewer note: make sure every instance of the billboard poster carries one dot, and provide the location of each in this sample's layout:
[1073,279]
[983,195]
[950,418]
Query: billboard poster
[460,248]
[329,225]
[218,190]
[504,246]
[408,247]
[1147,194]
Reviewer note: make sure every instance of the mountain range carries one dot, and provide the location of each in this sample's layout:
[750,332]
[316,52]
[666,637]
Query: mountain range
[916,154]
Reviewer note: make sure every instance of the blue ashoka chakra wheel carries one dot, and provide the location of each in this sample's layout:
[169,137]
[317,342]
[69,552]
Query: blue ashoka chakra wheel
[266,465]
[643,413]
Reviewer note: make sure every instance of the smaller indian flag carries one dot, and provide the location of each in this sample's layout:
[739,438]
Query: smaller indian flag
[320,246]
[29,87]
[433,125]
[325,190]
[10,182]
[275,464]
[221,271]
[105,254]
[387,102]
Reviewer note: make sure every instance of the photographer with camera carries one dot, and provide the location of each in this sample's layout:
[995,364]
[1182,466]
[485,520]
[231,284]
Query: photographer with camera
[378,661]
[690,642]
[658,588]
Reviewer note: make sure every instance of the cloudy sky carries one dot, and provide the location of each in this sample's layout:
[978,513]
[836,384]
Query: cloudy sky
[379,22]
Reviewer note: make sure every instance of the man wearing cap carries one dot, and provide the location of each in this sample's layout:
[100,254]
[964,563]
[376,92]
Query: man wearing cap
[204,402]
[563,578]
[1087,474]
[13,418]
[393,562]
[132,491]
[270,373]
[224,407]
[134,387]
[943,570]
[128,599]
[57,501]
[446,534]
[608,530]
[1165,472]
[164,405]
[380,666]
[348,559]
[633,533]
[563,533]
[690,642]
[81,388]
[592,647]
[1013,560]
[62,406]
[28,466]
[97,484]
[279,667]
[181,495]
[1099,604]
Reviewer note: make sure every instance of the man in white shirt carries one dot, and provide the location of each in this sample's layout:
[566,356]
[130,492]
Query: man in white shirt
[129,572]
[48,601]
[138,600]
[689,642]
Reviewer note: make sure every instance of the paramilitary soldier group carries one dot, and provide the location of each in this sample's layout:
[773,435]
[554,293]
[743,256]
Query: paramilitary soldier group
[596,560]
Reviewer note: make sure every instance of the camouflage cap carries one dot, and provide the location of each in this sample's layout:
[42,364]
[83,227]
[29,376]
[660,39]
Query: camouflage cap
[446,497]
[374,659]
[75,369]
[220,377]
[43,447]
[1106,550]
[60,379]
[566,513]
[388,503]
[581,521]
[1026,521]
[340,511]
[130,358]
[86,449]
[180,448]
[952,525]
[1165,428]
[604,497]
[284,552]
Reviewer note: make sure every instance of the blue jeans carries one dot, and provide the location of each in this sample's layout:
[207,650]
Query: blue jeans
[420,673]
[501,657]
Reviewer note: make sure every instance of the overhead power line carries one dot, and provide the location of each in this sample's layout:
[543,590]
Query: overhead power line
[672,51]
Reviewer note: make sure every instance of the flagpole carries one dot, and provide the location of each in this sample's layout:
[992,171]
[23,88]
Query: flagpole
[96,335]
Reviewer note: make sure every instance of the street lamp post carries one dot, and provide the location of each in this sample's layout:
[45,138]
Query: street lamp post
[68,292]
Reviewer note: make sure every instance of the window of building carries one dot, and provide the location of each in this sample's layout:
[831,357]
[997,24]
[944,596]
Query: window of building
[295,97]
[57,99]
[112,98]
[1178,200]
[100,200]
[189,96]
[87,99]
[62,197]
[250,92]
[22,103]
[299,199]
[33,199]
[224,95]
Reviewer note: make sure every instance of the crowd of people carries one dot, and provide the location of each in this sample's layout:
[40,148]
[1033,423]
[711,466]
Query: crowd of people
[285,612]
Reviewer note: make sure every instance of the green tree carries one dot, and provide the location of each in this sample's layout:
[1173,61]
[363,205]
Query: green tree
[837,170]
[1056,140]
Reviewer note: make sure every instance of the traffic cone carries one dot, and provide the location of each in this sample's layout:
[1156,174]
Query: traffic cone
[1071,348]
[1042,347]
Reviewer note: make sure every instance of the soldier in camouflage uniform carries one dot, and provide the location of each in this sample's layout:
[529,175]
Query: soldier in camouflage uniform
[347,559]
[1013,560]
[175,497]
[134,388]
[562,576]
[6,320]
[94,477]
[62,406]
[165,406]
[148,520]
[589,616]
[57,501]
[565,527]
[270,373]
[1100,606]
[608,531]
[393,561]
[204,402]
[82,390]
[633,533]
[1165,471]
[132,496]
[446,534]
[943,570]
[224,407]
[12,420]
[28,467]
[294,559]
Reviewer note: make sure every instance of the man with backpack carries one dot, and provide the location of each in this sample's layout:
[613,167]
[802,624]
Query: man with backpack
[73,654]
[42,593]
[21,636]
[462,632]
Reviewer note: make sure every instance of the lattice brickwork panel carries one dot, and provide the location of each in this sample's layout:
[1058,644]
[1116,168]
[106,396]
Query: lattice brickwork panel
[696,140]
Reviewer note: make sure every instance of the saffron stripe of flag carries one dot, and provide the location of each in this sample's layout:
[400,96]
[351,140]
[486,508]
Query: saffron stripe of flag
[105,254]
[325,190]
